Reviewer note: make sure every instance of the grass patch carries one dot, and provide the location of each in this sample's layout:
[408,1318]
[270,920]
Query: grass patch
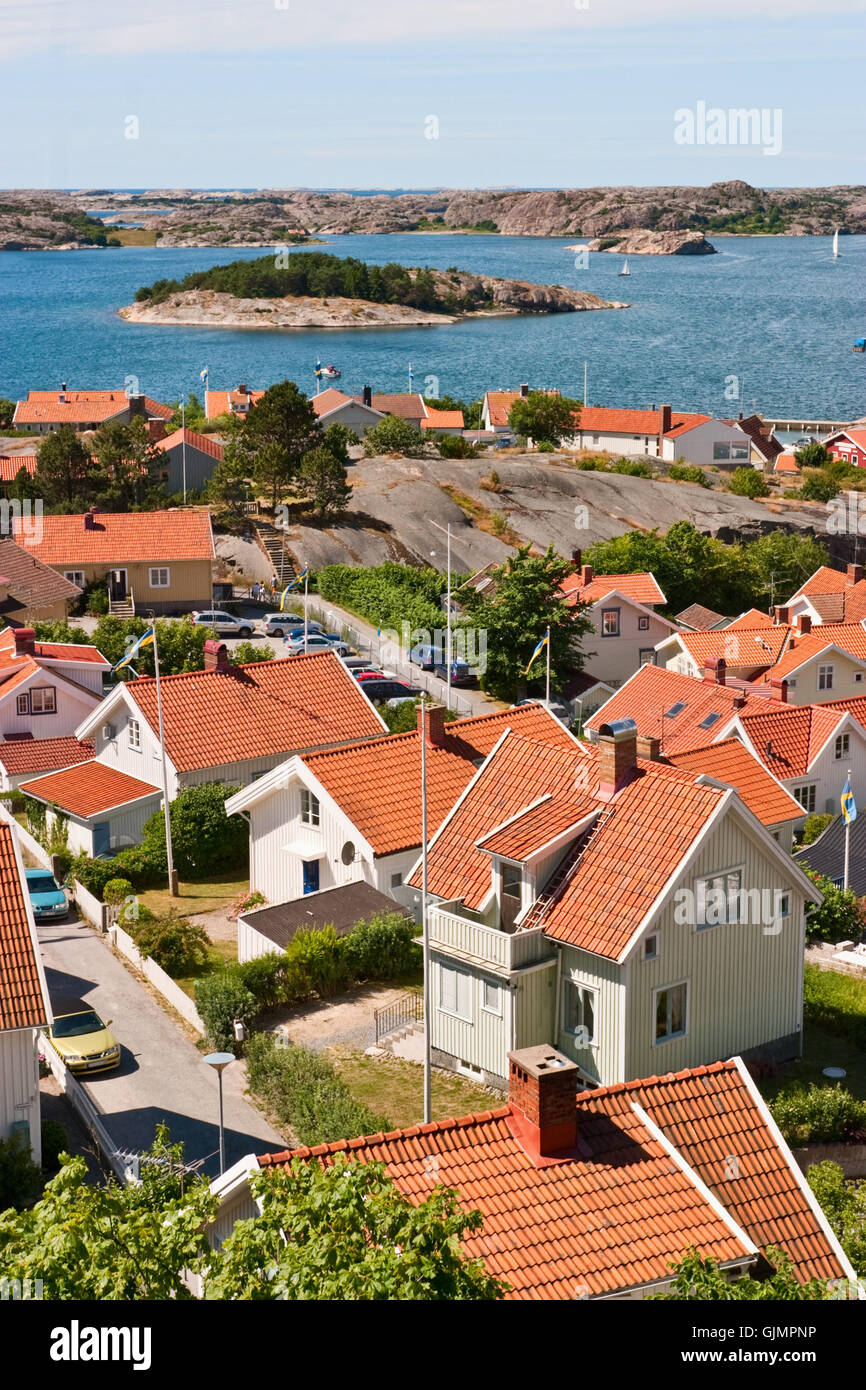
[821,1049]
[205,895]
[133,236]
[221,953]
[394,1087]
[494,523]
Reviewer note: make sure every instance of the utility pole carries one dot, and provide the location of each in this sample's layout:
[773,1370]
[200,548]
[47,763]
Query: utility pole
[447,530]
[172,873]
[183,440]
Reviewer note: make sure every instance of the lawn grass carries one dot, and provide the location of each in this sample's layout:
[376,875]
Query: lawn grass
[205,895]
[221,953]
[133,236]
[833,1035]
[821,1049]
[394,1087]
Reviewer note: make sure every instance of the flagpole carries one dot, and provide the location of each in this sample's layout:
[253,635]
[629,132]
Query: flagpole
[847,839]
[172,876]
[428,1003]
[183,438]
[306,591]
[547,696]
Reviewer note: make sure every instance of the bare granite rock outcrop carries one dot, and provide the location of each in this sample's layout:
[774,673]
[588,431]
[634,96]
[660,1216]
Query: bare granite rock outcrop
[643,242]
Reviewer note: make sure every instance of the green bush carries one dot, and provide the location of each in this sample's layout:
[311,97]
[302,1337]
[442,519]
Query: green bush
[595,463]
[142,864]
[388,594]
[383,948]
[633,468]
[133,915]
[819,1115]
[818,487]
[454,446]
[688,473]
[321,959]
[175,943]
[270,979]
[116,891]
[55,1141]
[93,874]
[220,999]
[20,1179]
[836,1004]
[816,825]
[394,436]
[305,1092]
[203,838]
[748,482]
[840,916]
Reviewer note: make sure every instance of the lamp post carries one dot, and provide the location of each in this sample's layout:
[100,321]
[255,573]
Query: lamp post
[219,1061]
[447,530]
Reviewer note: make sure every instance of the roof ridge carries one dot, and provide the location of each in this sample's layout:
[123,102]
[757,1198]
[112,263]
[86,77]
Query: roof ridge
[408,1131]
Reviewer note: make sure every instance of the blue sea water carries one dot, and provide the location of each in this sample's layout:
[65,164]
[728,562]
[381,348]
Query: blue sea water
[773,318]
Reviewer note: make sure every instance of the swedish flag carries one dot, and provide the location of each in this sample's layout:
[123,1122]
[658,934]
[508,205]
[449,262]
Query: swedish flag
[203,374]
[539,648]
[145,640]
[318,367]
[849,808]
[296,582]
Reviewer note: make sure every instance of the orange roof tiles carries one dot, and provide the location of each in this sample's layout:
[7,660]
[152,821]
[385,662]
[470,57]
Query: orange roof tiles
[788,740]
[851,637]
[752,618]
[643,588]
[124,537]
[53,651]
[20,755]
[22,1002]
[11,465]
[752,649]
[608,420]
[203,442]
[478,734]
[682,426]
[329,400]
[855,706]
[498,405]
[731,762]
[619,1210]
[786,463]
[443,420]
[531,830]
[407,405]
[89,789]
[220,402]
[824,581]
[260,710]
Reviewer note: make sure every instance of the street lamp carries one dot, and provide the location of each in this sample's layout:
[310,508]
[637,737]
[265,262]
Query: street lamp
[447,531]
[219,1061]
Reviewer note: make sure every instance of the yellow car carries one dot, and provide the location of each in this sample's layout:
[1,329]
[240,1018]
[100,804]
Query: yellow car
[80,1037]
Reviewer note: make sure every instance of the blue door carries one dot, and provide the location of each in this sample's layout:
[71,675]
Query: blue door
[311,875]
[101,837]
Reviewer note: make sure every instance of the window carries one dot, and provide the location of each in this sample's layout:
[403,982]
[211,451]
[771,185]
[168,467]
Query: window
[717,899]
[512,881]
[670,1012]
[650,947]
[841,745]
[721,451]
[806,796]
[709,721]
[825,677]
[783,905]
[739,451]
[610,622]
[491,997]
[647,656]
[858,677]
[133,735]
[159,578]
[22,704]
[643,624]
[792,684]
[75,577]
[674,710]
[309,807]
[578,1011]
[42,700]
[455,996]
[396,880]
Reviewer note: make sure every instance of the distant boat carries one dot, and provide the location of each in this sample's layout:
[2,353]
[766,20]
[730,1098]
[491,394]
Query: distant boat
[860,345]
[836,245]
[625,270]
[331,372]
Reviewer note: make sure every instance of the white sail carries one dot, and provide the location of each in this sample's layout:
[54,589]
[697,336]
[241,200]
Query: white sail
[625,270]
[836,244]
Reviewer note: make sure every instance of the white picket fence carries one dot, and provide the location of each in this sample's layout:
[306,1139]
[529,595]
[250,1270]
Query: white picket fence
[83,1106]
[167,987]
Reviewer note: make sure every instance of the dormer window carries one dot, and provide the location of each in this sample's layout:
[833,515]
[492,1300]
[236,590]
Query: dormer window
[512,882]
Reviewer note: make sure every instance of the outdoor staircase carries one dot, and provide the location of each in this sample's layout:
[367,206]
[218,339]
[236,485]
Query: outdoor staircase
[121,608]
[565,873]
[273,543]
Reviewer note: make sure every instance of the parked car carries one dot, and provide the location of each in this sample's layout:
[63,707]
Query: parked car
[461,674]
[384,688]
[223,623]
[357,663]
[278,624]
[46,898]
[426,656]
[315,642]
[369,673]
[81,1038]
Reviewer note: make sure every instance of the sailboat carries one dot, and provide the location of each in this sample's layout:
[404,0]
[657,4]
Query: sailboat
[836,245]
[625,270]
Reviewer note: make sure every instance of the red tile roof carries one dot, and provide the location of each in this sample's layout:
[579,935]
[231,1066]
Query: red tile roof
[32,584]
[11,465]
[816,644]
[753,649]
[788,740]
[524,835]
[851,637]
[683,426]
[53,651]
[609,420]
[699,617]
[499,403]
[329,400]
[786,463]
[643,588]
[407,405]
[84,407]
[857,437]
[264,709]
[855,706]
[824,581]
[443,420]
[621,1209]
[752,618]
[124,537]
[652,692]
[89,789]
[21,755]
[23,1003]
[205,443]
[731,762]
[220,402]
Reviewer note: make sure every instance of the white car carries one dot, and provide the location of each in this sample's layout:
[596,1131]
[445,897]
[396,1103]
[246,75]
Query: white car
[316,642]
[278,624]
[223,623]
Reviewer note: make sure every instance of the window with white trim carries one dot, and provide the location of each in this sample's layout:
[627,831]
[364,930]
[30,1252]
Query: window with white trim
[455,991]
[43,699]
[133,735]
[783,905]
[841,746]
[579,1011]
[75,577]
[491,996]
[642,624]
[22,704]
[610,622]
[670,1011]
[717,899]
[825,676]
[647,656]
[721,451]
[309,807]
[160,577]
[512,881]
[806,796]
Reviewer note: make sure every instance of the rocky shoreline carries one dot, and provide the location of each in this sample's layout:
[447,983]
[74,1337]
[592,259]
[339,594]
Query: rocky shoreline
[643,242]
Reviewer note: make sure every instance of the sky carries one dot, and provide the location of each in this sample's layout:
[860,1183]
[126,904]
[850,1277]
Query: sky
[426,93]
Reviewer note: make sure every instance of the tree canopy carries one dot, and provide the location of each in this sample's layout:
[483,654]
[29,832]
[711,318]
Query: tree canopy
[322,479]
[702,1280]
[275,435]
[545,419]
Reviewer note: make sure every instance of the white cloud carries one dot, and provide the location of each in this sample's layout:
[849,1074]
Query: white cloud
[149,27]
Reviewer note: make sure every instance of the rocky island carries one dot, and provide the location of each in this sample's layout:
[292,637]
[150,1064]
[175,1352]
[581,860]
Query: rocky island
[315,290]
[643,242]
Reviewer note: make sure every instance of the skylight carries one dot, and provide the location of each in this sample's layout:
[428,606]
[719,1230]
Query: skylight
[709,721]
[675,709]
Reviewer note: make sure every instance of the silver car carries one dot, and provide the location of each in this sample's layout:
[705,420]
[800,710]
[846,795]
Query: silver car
[316,643]
[278,624]
[223,623]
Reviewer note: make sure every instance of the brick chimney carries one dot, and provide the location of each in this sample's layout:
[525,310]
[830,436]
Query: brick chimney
[853,575]
[739,700]
[783,615]
[542,1086]
[137,407]
[25,641]
[367,396]
[524,389]
[804,623]
[586,573]
[435,725]
[779,686]
[715,670]
[216,657]
[664,423]
[90,519]
[617,755]
[648,747]
[243,389]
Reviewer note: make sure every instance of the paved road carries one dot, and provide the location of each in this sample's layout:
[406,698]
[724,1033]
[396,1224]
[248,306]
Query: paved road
[162,1076]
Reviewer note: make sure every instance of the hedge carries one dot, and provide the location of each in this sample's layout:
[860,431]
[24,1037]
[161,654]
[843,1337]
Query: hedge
[388,594]
[819,1115]
[304,1091]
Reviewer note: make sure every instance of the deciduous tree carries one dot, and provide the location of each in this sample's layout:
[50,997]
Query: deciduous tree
[544,418]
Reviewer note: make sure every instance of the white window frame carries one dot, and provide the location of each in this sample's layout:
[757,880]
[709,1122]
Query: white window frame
[826,675]
[489,1008]
[446,1007]
[22,704]
[75,577]
[719,881]
[311,810]
[133,735]
[684,1031]
[583,989]
[41,691]
[158,582]
[842,746]
[647,656]
[514,870]
[642,622]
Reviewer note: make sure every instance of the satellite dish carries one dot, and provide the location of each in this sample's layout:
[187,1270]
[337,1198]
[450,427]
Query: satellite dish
[347,853]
